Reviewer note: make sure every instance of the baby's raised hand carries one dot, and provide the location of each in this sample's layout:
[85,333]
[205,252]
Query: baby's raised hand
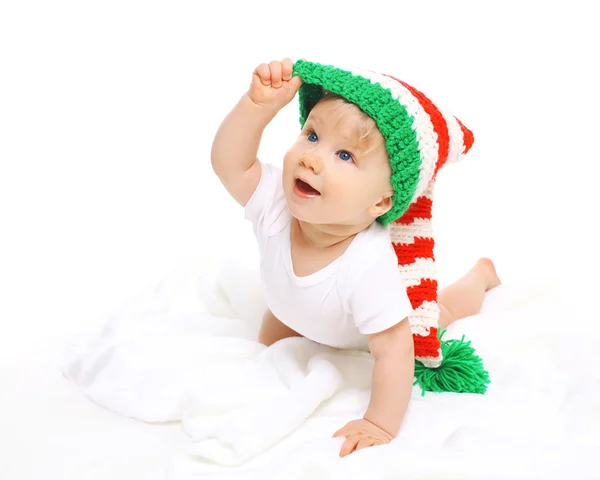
[273,85]
[361,434]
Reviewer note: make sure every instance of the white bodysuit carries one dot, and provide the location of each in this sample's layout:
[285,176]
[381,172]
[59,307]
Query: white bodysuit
[359,293]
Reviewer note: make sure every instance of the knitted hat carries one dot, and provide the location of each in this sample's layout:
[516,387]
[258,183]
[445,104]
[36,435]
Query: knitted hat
[420,139]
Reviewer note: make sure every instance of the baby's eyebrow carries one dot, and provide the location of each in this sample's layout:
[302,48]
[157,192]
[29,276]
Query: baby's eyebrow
[314,118]
[352,139]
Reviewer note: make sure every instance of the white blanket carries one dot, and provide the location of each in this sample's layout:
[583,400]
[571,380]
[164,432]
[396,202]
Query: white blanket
[185,350]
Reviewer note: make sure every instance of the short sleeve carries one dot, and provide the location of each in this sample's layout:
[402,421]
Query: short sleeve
[379,299]
[263,196]
[267,207]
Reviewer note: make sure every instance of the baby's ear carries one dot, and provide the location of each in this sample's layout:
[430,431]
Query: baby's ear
[381,207]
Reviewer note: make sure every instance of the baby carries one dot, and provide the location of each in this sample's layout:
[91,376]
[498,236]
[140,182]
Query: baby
[329,270]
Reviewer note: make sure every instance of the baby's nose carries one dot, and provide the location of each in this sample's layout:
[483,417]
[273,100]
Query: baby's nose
[313,161]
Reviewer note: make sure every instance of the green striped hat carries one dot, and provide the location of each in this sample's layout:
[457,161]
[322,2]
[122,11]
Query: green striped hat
[419,139]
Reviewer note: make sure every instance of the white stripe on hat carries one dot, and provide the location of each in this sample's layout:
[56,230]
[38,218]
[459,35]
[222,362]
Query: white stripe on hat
[457,145]
[424,317]
[421,268]
[431,362]
[420,227]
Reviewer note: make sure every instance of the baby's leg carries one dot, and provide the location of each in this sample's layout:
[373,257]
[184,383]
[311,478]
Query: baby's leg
[465,296]
[272,330]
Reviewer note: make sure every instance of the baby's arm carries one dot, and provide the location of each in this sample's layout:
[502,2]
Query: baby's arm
[393,375]
[237,140]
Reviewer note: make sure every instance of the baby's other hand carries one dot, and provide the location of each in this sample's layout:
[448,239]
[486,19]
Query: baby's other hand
[273,85]
[361,434]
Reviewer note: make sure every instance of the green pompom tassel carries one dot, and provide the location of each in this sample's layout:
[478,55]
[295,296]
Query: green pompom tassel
[461,370]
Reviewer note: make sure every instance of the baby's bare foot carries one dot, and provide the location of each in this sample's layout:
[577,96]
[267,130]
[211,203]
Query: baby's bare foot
[487,268]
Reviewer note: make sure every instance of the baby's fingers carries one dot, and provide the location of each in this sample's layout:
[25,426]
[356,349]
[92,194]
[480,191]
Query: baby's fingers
[287,68]
[366,442]
[276,71]
[343,432]
[262,73]
[349,445]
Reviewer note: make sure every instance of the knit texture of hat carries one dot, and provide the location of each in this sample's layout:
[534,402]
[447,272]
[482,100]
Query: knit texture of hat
[420,139]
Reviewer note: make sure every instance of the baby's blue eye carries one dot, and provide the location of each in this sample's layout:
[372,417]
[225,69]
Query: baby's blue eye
[312,137]
[345,156]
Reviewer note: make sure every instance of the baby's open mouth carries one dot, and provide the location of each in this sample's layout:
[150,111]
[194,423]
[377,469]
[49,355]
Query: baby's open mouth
[305,189]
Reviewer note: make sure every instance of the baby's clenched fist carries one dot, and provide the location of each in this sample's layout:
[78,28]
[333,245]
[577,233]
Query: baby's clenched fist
[273,85]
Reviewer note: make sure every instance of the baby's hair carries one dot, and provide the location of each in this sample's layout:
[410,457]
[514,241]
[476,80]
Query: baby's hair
[368,133]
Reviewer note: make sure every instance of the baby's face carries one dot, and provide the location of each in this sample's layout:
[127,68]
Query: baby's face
[328,177]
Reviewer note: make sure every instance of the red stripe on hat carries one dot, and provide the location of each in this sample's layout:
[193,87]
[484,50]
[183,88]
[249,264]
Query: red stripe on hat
[439,124]
[426,291]
[421,208]
[407,253]
[428,346]
[468,138]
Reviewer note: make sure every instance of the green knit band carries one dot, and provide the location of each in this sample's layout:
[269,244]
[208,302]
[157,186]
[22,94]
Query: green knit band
[390,116]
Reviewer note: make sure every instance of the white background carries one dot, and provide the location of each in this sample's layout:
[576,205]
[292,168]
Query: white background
[108,111]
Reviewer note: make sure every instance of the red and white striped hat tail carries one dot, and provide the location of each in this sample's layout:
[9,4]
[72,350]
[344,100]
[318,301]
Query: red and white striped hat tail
[412,239]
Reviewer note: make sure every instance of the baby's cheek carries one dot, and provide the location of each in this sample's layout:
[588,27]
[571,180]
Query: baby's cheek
[351,192]
[347,201]
[340,186]
[287,158]
[289,165]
